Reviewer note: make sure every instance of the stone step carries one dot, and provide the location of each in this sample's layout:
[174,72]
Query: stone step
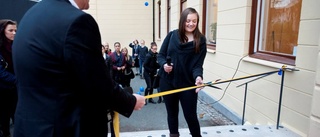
[222,131]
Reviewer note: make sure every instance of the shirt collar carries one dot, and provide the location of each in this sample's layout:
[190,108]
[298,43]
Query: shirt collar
[74,3]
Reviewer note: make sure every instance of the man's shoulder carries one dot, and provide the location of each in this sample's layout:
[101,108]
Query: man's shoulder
[62,8]
[53,14]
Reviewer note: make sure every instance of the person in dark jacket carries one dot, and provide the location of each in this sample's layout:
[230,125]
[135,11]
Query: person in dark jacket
[150,70]
[8,93]
[142,52]
[181,59]
[64,88]
[135,54]
[106,48]
[118,64]
[107,59]
[128,73]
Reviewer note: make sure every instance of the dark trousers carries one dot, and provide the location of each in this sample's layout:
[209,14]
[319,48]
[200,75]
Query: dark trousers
[8,102]
[188,101]
[110,121]
[118,76]
[141,61]
[149,78]
[126,82]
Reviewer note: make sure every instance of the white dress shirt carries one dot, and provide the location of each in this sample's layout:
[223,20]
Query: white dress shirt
[74,3]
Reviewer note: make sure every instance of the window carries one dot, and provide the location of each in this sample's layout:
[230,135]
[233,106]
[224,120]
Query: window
[210,8]
[183,5]
[168,15]
[274,30]
[159,19]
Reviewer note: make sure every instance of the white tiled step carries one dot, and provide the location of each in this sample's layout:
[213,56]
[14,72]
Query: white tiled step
[222,131]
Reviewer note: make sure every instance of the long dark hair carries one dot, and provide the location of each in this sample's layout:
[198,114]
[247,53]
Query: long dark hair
[3,24]
[196,33]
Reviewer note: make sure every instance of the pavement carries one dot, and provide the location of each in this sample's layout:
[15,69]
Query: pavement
[154,117]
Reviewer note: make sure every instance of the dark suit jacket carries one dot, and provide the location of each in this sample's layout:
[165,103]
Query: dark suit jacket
[131,45]
[64,89]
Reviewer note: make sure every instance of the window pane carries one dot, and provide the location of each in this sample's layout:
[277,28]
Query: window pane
[280,26]
[168,15]
[211,27]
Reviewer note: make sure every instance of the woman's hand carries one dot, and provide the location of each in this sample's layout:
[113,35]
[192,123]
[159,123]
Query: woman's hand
[167,68]
[199,82]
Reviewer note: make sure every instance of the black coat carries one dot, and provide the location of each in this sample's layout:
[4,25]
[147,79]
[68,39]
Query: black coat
[187,64]
[150,64]
[64,88]
[134,50]
[7,79]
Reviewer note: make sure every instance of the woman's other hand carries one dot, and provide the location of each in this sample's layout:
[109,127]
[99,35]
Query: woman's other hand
[199,82]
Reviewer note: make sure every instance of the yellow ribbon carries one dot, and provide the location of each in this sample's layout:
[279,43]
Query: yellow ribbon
[206,84]
[116,124]
[174,91]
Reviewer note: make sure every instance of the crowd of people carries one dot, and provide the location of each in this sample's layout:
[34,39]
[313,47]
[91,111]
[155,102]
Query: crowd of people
[56,82]
[125,67]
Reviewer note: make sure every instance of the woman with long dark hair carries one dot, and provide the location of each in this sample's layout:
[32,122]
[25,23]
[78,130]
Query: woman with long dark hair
[181,59]
[8,93]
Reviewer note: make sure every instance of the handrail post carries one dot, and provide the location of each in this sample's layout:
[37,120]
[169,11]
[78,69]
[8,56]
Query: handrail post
[244,102]
[280,98]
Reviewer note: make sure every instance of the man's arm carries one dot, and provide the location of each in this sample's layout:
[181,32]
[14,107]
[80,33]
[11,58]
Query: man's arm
[83,58]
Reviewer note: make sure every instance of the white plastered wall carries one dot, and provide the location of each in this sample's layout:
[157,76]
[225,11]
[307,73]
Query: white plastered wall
[314,129]
[123,20]
[263,95]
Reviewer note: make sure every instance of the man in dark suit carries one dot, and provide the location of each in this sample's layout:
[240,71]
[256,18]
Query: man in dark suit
[64,89]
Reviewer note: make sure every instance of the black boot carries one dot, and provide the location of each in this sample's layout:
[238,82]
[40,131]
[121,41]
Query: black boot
[160,100]
[150,91]
[151,101]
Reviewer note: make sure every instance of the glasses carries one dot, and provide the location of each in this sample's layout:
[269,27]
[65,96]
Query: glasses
[154,49]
